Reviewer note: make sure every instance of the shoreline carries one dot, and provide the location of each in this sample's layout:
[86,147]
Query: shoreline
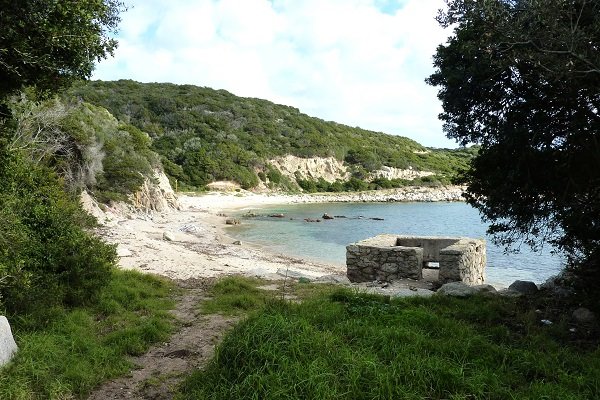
[193,242]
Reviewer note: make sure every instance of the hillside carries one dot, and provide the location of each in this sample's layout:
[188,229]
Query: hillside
[204,135]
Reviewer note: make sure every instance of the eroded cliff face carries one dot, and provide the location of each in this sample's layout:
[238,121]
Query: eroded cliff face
[397,173]
[155,194]
[332,169]
[314,168]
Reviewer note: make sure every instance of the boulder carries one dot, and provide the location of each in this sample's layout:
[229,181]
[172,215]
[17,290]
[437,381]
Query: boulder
[237,243]
[168,236]
[457,289]
[123,251]
[583,316]
[524,287]
[232,221]
[8,347]
[461,289]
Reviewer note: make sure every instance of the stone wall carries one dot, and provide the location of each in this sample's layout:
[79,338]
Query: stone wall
[463,261]
[391,257]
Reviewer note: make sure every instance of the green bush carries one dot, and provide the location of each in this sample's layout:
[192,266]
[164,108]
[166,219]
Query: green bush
[214,135]
[46,255]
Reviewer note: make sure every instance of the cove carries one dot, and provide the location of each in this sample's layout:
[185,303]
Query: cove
[326,240]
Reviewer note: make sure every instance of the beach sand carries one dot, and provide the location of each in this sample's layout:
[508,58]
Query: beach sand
[192,242]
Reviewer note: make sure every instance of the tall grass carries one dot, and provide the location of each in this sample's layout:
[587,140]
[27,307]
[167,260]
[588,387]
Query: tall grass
[65,353]
[356,346]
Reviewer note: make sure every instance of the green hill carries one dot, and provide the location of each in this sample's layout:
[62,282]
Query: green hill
[203,135]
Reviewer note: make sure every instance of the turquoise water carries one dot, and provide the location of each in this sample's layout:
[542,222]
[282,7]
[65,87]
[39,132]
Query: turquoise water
[326,240]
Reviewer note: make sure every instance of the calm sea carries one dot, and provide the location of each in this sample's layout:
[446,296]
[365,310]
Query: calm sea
[326,240]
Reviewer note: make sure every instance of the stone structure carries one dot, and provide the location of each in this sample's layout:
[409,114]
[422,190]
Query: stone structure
[8,347]
[391,257]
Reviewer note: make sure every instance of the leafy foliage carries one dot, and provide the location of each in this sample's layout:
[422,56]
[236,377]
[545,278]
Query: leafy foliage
[46,256]
[48,43]
[84,144]
[205,135]
[522,79]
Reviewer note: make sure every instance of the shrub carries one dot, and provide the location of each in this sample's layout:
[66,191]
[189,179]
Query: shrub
[47,257]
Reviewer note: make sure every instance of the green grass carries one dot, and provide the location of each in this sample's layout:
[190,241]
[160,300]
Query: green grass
[347,345]
[237,295]
[66,353]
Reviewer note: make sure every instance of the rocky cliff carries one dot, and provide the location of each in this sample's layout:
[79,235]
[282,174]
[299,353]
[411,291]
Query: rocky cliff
[331,169]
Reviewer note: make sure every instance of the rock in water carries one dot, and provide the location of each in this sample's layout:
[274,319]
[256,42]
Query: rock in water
[8,347]
[525,287]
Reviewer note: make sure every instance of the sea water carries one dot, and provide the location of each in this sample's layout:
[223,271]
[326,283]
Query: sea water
[327,240]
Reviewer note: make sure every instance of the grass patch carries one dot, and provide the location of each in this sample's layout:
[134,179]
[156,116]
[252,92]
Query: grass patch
[356,346]
[235,295]
[66,353]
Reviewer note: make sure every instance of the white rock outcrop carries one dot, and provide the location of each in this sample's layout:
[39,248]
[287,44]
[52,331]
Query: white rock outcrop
[8,347]
[397,173]
[156,196]
[328,168]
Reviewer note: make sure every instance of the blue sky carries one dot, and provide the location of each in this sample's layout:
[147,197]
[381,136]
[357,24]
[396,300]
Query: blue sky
[356,62]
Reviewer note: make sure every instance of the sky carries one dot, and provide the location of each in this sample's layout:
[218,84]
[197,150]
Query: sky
[356,62]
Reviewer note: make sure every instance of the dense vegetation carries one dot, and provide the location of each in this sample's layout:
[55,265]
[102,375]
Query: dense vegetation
[65,352]
[346,345]
[205,135]
[522,80]
[48,257]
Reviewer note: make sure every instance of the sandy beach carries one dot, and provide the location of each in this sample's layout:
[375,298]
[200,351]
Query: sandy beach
[192,241]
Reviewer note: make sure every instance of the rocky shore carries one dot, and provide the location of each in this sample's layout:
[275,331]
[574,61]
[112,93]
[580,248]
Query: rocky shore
[404,194]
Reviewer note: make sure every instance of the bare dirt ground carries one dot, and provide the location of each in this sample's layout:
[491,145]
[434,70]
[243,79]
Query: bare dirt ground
[157,373]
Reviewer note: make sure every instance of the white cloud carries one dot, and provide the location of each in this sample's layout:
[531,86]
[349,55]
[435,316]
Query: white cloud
[341,60]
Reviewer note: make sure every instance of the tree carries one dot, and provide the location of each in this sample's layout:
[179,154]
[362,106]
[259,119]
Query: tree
[47,255]
[522,79]
[49,43]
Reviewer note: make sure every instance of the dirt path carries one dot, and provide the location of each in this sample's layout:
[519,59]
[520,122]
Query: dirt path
[161,369]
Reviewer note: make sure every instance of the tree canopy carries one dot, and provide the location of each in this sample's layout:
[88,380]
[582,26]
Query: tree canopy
[522,79]
[48,43]
[48,257]
[204,135]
